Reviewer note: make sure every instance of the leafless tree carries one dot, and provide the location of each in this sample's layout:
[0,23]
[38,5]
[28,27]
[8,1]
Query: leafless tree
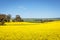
[8,18]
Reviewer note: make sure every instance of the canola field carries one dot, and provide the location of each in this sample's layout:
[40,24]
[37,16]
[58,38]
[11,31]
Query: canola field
[30,31]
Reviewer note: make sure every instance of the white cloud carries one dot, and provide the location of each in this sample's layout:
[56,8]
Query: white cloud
[22,7]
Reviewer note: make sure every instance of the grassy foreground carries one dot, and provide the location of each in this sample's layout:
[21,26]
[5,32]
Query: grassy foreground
[30,31]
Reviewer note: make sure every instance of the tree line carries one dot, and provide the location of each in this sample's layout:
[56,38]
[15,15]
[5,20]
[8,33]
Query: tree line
[6,18]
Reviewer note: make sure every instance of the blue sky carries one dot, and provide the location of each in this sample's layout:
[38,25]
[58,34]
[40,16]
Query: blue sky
[31,8]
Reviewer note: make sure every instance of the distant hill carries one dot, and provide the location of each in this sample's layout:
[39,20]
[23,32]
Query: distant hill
[39,19]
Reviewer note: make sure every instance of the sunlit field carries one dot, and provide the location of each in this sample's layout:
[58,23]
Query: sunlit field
[30,31]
